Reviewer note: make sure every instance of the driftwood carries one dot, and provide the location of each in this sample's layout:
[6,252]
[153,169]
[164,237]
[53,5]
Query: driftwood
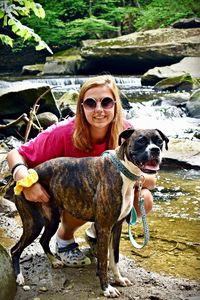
[28,121]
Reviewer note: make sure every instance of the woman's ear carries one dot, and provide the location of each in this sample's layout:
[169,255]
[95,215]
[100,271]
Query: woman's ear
[125,135]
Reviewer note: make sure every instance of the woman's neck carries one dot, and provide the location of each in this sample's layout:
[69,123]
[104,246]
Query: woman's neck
[98,135]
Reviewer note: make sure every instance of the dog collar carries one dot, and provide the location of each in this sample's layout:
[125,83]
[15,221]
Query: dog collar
[120,166]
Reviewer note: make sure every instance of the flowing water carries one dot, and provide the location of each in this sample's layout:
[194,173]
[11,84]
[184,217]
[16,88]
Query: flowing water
[174,223]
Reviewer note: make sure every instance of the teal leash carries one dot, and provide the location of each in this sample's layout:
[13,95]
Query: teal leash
[133,221]
[133,217]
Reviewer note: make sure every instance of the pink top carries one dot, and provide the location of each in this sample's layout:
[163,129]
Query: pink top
[56,141]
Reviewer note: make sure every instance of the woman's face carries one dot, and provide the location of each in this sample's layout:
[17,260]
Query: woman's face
[99,117]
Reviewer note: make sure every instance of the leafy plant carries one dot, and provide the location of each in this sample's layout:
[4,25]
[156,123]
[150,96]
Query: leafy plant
[10,13]
[162,13]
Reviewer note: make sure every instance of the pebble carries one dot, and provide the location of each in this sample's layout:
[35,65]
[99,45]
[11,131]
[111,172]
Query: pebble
[26,288]
[43,289]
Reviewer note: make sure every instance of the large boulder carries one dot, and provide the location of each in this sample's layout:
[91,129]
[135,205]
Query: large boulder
[140,51]
[183,82]
[189,65]
[7,277]
[129,54]
[19,99]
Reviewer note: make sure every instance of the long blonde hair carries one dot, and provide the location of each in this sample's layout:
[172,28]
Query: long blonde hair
[81,135]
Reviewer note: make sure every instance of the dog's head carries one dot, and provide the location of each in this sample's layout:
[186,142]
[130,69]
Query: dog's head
[143,148]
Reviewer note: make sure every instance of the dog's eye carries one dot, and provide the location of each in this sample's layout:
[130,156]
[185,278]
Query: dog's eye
[158,141]
[141,140]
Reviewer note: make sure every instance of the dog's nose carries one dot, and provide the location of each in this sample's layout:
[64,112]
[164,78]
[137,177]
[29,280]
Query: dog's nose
[155,150]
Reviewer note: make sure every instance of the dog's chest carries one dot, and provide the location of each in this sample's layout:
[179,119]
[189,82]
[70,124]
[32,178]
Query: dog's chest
[127,198]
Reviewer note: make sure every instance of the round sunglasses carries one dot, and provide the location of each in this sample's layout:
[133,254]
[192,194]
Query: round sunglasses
[91,103]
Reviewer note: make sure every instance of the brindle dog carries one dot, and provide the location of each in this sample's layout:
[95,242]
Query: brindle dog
[90,189]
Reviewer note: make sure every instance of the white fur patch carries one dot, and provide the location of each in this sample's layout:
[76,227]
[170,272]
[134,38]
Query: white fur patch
[111,292]
[20,279]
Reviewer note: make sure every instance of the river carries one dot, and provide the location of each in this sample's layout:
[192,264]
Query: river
[174,223]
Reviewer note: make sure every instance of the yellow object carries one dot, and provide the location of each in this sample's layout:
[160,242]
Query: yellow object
[26,182]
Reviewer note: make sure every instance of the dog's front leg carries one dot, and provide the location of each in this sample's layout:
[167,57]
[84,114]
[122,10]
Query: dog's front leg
[103,238]
[114,256]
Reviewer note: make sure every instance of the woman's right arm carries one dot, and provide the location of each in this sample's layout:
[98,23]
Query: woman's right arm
[36,192]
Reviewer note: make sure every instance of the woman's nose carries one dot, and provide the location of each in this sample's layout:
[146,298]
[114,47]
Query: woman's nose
[98,106]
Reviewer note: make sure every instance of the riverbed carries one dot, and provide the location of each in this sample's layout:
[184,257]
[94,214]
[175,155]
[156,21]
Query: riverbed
[174,224]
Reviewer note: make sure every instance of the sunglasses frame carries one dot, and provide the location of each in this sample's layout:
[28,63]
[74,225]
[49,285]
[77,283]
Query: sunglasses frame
[91,109]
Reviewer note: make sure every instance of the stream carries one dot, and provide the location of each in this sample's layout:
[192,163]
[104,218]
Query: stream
[174,223]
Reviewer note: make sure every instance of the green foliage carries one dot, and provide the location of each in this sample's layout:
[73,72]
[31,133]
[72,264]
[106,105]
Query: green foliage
[10,13]
[162,13]
[90,28]
[66,23]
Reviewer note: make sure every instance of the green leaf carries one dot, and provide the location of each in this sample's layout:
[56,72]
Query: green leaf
[2,13]
[6,40]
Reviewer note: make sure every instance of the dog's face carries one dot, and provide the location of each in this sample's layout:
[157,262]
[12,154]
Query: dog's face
[143,148]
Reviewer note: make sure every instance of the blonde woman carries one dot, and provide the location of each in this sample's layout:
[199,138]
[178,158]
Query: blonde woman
[94,129]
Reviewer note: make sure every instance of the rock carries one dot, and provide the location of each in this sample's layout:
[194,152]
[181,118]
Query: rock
[69,97]
[140,51]
[7,278]
[193,105]
[8,207]
[124,101]
[32,69]
[66,62]
[46,119]
[20,99]
[66,111]
[177,83]
[189,65]
[187,23]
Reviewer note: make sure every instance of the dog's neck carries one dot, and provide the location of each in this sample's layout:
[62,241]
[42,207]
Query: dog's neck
[120,155]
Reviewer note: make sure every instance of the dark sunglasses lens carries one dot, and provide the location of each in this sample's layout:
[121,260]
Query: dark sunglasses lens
[107,103]
[89,103]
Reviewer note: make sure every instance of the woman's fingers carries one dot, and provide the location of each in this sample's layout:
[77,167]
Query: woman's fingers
[36,193]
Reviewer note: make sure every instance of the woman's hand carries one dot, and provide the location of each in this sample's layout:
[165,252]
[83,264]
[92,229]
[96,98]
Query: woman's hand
[149,182]
[36,193]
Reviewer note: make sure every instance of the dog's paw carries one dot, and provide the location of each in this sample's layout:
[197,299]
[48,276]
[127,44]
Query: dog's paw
[55,262]
[20,279]
[123,281]
[111,292]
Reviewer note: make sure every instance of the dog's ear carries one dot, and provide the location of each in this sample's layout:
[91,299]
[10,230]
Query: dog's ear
[163,136]
[125,135]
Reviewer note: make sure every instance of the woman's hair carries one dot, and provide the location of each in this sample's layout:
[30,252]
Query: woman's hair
[81,135]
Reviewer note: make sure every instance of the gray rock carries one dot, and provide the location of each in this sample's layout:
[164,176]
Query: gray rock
[20,99]
[151,47]
[189,65]
[46,119]
[193,105]
[7,277]
[32,69]
[184,82]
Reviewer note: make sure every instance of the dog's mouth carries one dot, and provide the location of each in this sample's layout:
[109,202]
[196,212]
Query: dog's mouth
[151,166]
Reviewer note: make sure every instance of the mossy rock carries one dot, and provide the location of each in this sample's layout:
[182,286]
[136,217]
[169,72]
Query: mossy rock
[179,83]
[7,278]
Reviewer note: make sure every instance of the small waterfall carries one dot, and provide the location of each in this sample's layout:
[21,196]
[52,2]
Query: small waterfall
[70,83]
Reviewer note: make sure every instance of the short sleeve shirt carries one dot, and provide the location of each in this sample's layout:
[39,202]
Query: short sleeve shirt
[56,141]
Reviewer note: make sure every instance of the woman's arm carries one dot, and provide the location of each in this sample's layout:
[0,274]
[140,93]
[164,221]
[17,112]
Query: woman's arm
[149,181]
[34,193]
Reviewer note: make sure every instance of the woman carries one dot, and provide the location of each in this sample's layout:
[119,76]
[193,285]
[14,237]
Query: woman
[94,129]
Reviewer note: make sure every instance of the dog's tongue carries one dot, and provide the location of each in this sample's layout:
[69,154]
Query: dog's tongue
[151,165]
